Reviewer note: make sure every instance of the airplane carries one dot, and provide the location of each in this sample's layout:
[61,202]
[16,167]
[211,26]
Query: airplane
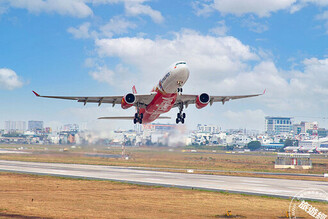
[167,94]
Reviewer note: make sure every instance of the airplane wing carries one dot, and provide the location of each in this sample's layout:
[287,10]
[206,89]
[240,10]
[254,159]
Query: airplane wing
[141,99]
[129,117]
[187,99]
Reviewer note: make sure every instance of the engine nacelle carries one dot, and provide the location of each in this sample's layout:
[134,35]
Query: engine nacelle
[128,101]
[202,100]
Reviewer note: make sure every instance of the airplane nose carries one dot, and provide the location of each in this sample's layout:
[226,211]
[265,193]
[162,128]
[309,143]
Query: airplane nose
[182,74]
[184,71]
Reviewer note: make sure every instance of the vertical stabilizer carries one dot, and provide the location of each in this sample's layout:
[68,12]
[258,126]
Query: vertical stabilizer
[134,90]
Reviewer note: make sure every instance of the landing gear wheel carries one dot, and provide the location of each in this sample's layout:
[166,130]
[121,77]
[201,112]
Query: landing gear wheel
[180,116]
[138,118]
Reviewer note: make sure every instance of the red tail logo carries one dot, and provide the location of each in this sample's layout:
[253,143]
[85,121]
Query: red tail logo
[134,90]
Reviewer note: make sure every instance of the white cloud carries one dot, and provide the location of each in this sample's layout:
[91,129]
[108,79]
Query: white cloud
[262,8]
[82,32]
[2,10]
[75,8]
[315,75]
[134,8]
[116,25]
[80,8]
[202,8]
[210,57]
[316,2]
[258,7]
[103,75]
[90,62]
[324,16]
[263,75]
[297,7]
[221,29]
[9,79]
[254,26]
[300,92]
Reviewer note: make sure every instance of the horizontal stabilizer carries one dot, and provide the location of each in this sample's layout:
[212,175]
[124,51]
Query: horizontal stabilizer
[129,117]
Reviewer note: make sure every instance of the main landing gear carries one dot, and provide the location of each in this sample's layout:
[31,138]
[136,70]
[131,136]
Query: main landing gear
[180,116]
[138,118]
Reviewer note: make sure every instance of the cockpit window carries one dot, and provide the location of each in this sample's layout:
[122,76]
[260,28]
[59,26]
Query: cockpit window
[179,63]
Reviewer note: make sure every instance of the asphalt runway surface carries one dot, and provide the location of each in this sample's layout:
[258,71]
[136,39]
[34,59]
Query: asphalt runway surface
[246,185]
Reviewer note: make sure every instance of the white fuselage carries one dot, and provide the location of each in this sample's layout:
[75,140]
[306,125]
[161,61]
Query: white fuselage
[175,78]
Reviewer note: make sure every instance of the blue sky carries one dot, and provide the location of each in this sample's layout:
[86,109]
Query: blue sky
[104,47]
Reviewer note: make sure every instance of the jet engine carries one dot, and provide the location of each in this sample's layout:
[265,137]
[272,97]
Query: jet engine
[202,100]
[128,101]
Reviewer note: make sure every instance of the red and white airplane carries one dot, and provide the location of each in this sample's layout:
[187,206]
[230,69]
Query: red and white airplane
[162,98]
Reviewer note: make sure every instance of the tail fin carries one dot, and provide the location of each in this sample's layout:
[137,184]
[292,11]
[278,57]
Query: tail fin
[134,90]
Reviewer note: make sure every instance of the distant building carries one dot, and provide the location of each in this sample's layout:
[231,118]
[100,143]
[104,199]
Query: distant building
[322,132]
[298,129]
[71,127]
[293,161]
[159,127]
[15,126]
[208,128]
[312,128]
[35,125]
[48,130]
[71,139]
[278,125]
[275,146]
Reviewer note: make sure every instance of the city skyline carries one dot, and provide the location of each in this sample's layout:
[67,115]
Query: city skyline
[273,125]
[106,47]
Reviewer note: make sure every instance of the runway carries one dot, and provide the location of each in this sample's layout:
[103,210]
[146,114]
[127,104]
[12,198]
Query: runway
[235,184]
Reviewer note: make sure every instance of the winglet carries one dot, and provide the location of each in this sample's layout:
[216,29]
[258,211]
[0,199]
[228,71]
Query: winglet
[36,94]
[264,91]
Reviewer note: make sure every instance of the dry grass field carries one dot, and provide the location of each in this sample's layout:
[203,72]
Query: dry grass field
[29,196]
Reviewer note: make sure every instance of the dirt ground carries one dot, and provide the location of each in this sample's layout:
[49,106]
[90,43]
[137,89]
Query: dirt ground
[29,196]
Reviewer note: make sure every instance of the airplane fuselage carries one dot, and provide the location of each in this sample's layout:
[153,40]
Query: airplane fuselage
[166,92]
